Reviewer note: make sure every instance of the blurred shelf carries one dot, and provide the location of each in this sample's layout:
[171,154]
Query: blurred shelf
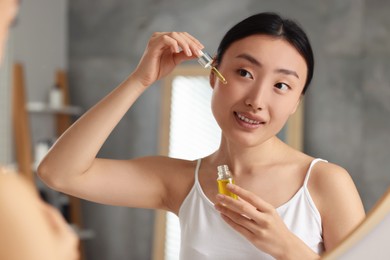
[40,107]
[83,234]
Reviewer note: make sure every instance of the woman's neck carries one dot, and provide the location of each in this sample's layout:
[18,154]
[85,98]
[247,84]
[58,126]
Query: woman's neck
[247,159]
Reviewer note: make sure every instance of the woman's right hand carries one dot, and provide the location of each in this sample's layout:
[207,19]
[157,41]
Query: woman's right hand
[164,51]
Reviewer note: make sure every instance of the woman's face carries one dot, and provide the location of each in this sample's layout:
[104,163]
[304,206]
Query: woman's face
[266,76]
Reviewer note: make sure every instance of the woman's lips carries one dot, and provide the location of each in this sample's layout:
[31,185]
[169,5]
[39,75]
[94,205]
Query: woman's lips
[248,121]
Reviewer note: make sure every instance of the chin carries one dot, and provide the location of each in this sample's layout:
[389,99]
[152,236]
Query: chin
[247,140]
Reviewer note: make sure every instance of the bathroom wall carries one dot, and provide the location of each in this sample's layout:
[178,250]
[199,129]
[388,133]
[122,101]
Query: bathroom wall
[346,109]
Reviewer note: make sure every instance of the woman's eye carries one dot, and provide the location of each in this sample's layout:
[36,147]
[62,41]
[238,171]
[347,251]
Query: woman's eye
[282,86]
[244,73]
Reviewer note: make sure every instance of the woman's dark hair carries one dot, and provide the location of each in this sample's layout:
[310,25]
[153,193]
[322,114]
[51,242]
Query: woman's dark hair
[273,25]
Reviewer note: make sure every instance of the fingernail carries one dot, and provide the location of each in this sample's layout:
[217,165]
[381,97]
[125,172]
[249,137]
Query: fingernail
[230,186]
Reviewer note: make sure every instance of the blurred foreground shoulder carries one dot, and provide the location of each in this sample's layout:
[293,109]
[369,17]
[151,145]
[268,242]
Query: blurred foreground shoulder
[12,184]
[25,217]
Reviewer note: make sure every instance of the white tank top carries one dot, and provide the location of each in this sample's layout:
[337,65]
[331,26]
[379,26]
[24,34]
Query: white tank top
[205,235]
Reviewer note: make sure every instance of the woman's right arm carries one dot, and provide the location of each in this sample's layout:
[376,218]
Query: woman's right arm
[71,165]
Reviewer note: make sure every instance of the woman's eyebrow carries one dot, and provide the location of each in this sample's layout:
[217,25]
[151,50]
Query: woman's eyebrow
[249,58]
[257,63]
[287,72]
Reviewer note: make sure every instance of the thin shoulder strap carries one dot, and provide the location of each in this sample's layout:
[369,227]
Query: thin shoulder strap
[309,171]
[197,170]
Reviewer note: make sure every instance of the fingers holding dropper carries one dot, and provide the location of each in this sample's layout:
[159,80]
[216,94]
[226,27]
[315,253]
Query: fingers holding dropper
[187,43]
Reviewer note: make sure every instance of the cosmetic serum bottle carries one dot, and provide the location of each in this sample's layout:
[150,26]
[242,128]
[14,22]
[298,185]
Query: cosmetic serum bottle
[225,177]
[206,62]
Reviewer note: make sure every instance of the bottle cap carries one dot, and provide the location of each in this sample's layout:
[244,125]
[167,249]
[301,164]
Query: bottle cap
[223,168]
[223,171]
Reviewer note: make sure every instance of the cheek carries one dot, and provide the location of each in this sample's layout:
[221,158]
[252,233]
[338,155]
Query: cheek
[222,101]
[283,110]
[217,105]
[278,121]
[217,112]
[226,95]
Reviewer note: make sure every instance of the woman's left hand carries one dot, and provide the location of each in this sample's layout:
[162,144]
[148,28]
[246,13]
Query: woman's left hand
[256,220]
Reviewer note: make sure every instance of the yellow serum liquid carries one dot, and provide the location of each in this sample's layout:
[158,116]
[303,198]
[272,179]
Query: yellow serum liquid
[222,187]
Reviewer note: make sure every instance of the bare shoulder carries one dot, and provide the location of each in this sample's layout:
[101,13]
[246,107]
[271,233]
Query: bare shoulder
[24,217]
[326,172]
[12,184]
[326,177]
[337,199]
[330,183]
[17,194]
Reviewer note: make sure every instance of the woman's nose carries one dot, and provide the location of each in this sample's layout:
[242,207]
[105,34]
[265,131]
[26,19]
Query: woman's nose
[256,99]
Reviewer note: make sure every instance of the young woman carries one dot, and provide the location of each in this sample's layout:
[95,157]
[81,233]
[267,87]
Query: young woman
[290,205]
